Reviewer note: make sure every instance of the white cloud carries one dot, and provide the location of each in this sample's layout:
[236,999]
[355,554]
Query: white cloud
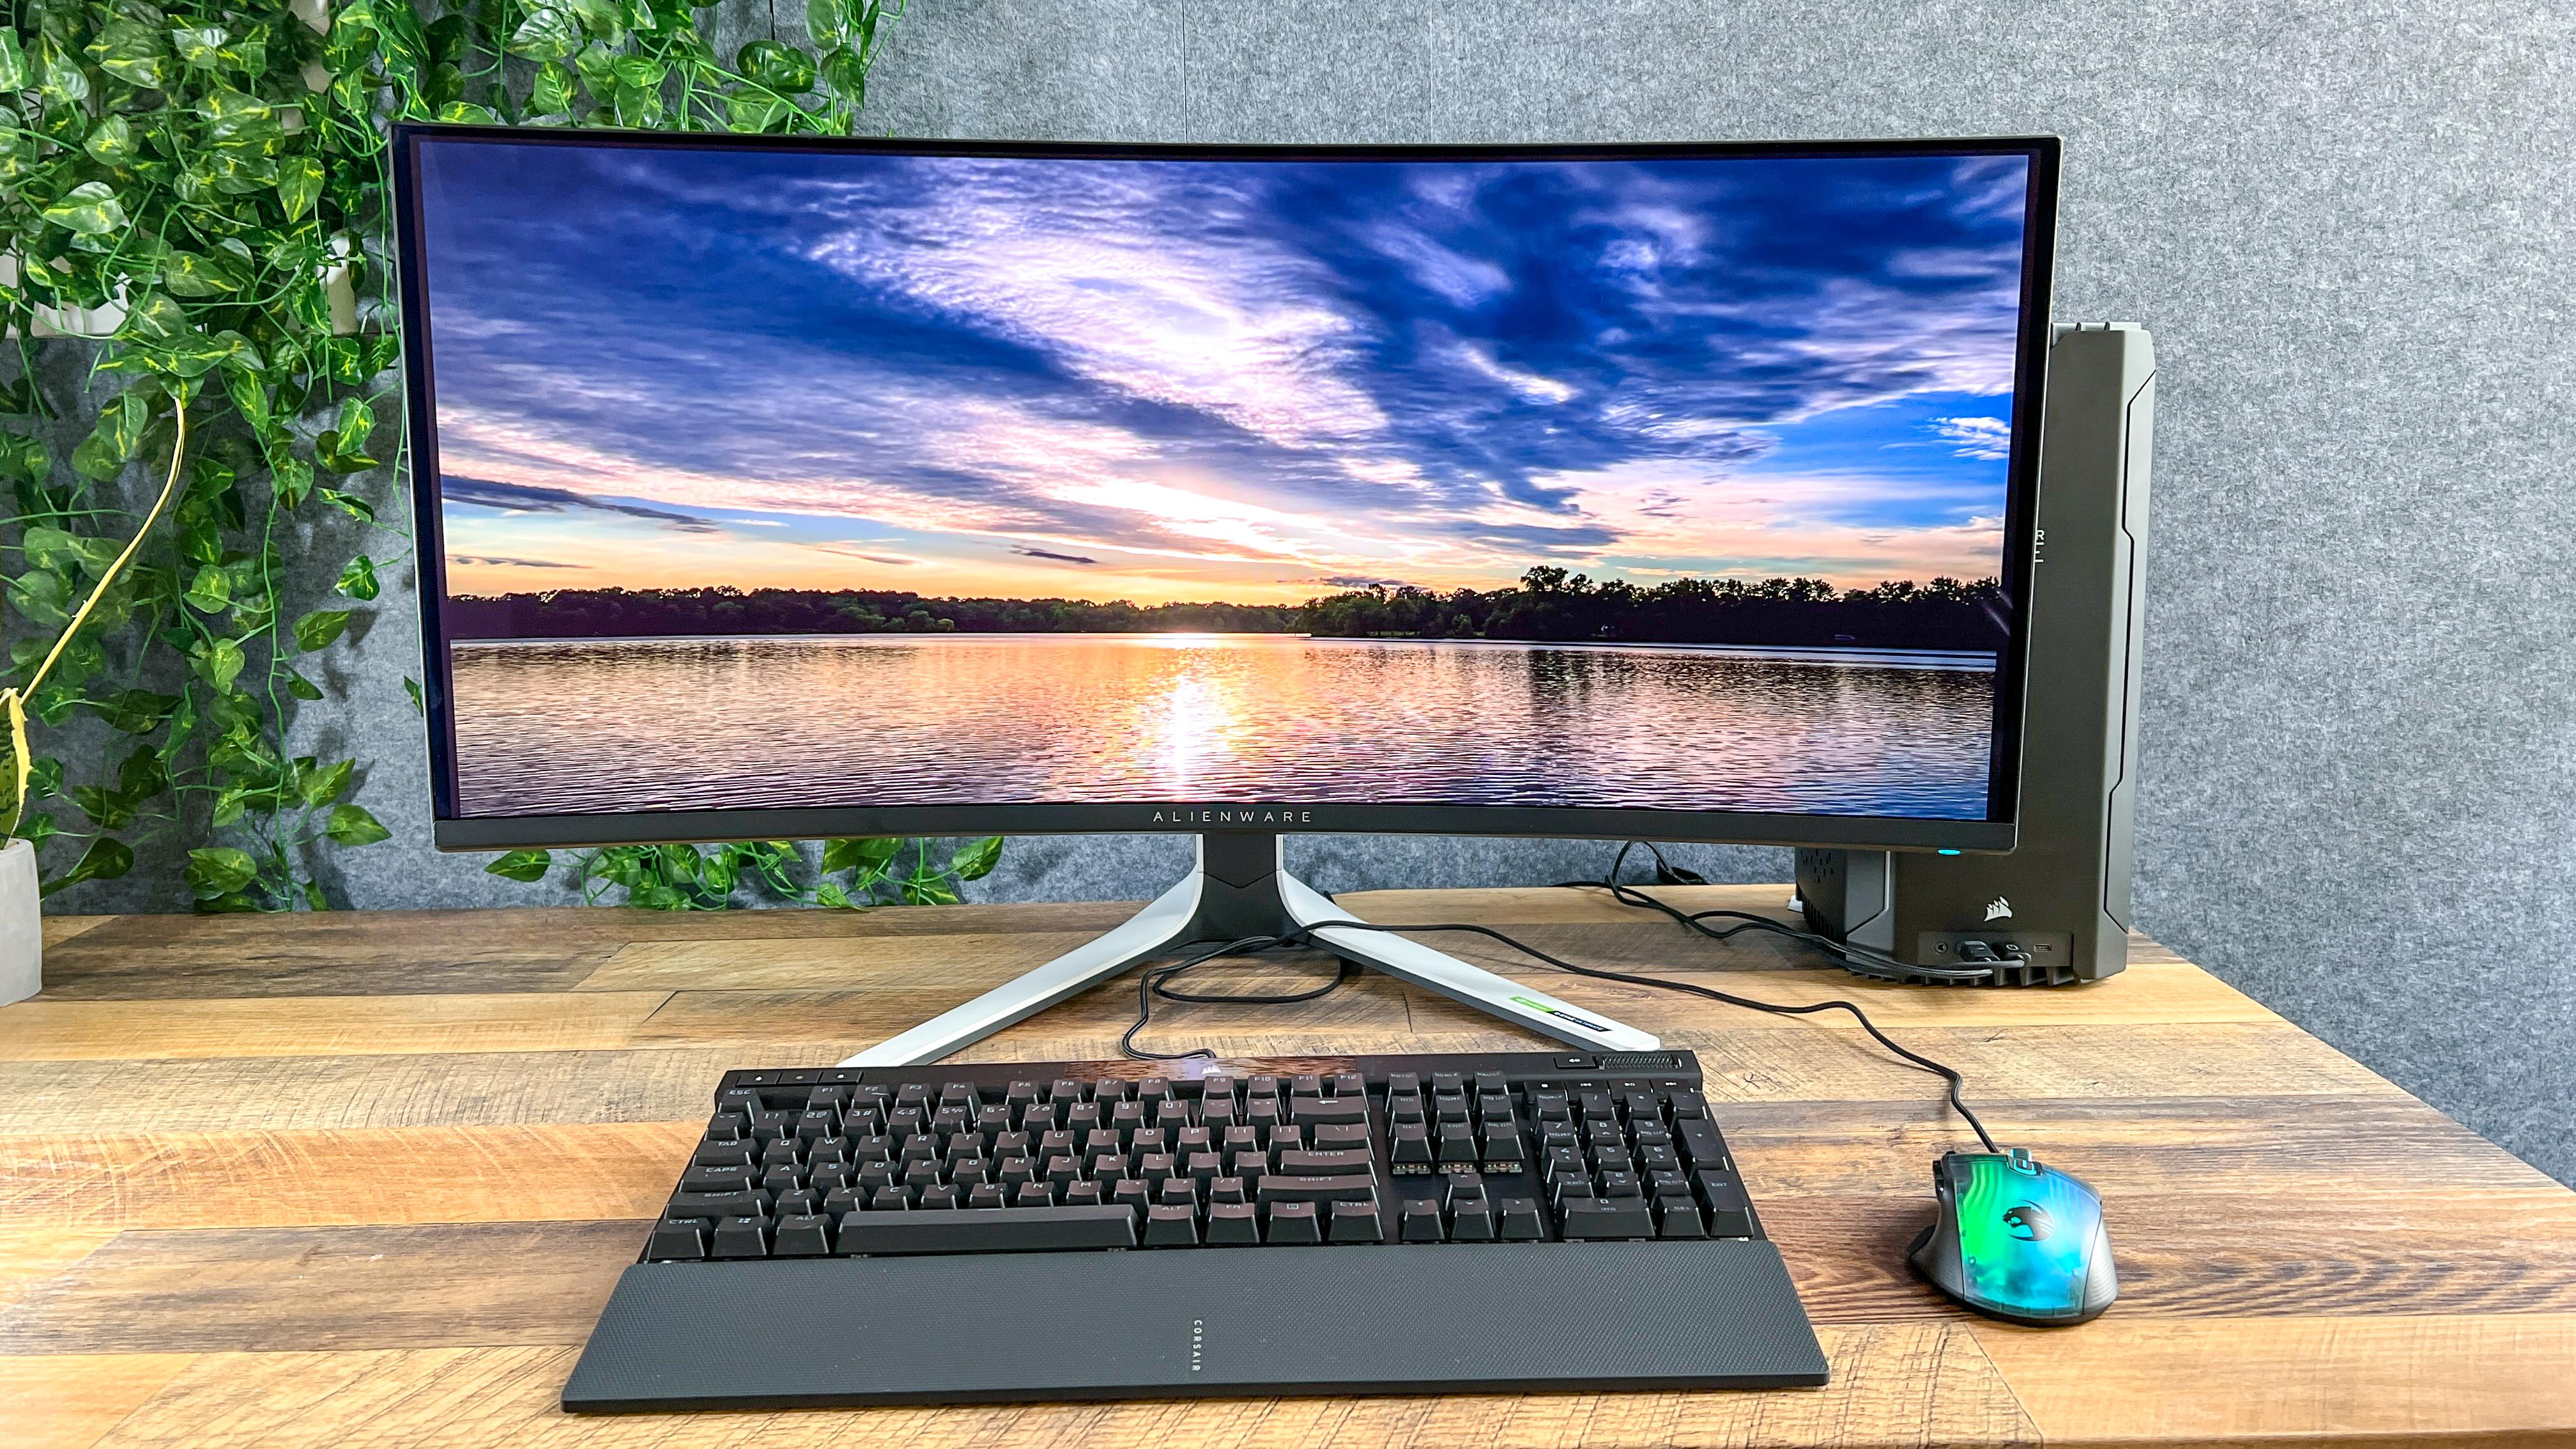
[1989,438]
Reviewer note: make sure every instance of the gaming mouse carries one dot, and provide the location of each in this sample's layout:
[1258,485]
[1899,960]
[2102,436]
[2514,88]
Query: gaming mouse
[2017,1240]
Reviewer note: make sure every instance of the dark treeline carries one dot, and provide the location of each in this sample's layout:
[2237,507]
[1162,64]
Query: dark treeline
[1549,604]
[593,613]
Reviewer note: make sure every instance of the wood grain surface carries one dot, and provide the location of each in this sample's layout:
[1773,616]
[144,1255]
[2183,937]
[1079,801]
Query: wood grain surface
[365,1179]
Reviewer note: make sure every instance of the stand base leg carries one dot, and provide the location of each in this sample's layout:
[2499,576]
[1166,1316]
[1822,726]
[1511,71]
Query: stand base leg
[1240,889]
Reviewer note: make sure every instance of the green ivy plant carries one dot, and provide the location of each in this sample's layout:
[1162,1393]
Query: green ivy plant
[705,878]
[200,188]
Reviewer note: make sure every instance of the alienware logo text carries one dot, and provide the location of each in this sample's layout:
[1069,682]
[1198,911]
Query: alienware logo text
[2029,1222]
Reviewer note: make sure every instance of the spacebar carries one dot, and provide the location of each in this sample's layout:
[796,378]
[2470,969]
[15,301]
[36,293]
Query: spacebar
[988,1230]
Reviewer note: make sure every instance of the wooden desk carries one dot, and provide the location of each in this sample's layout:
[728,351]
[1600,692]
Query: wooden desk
[366,1179]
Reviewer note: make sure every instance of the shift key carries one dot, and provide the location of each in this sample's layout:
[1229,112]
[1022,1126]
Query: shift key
[1279,1187]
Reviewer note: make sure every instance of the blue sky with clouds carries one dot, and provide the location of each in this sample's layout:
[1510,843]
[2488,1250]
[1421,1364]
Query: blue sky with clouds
[1214,380]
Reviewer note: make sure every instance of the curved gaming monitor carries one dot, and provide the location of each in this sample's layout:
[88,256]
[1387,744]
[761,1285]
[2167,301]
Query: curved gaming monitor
[784,487]
[778,487]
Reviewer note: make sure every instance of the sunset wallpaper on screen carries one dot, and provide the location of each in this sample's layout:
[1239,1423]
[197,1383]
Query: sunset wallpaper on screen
[774,478]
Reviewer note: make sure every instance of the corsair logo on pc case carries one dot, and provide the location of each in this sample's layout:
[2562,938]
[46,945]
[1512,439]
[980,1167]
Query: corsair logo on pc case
[1998,909]
[2029,1222]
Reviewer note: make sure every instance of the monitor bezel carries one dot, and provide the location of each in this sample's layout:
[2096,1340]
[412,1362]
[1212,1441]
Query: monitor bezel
[453,830]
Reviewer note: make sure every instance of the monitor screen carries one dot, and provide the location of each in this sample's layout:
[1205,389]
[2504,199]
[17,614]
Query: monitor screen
[1669,490]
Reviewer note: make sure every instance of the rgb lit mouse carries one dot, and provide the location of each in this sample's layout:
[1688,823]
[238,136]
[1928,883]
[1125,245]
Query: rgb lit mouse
[2017,1240]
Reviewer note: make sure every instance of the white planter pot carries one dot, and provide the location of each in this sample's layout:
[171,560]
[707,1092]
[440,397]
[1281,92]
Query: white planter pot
[22,931]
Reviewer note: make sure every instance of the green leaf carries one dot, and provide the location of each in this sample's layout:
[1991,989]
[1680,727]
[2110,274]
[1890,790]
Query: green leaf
[828,21]
[13,62]
[132,51]
[89,209]
[229,805]
[777,66]
[350,503]
[106,859]
[44,777]
[928,891]
[549,33]
[218,871]
[867,854]
[155,318]
[411,687]
[200,274]
[200,45]
[111,142]
[846,75]
[63,83]
[135,711]
[210,592]
[323,785]
[48,547]
[142,776]
[468,114]
[293,481]
[301,687]
[551,93]
[318,629]
[220,662]
[119,432]
[107,809]
[42,596]
[976,859]
[522,865]
[832,895]
[299,181]
[351,825]
[358,580]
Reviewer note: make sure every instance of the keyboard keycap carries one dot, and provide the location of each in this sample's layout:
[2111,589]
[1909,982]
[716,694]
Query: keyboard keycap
[743,1237]
[1306,1110]
[1232,1223]
[1170,1226]
[1278,1187]
[677,1240]
[1356,1222]
[807,1235]
[746,1203]
[1606,1217]
[1421,1221]
[1293,1222]
[998,1230]
[1344,1163]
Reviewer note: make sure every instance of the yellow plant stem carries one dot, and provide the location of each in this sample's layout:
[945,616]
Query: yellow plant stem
[16,699]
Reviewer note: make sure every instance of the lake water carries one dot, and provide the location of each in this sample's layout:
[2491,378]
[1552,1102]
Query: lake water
[580,726]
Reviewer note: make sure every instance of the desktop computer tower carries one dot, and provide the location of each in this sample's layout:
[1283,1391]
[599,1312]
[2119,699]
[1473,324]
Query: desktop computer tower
[2062,895]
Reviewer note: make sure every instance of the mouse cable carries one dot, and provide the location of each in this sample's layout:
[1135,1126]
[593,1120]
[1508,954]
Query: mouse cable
[1946,1073]
[1155,981]
[1859,960]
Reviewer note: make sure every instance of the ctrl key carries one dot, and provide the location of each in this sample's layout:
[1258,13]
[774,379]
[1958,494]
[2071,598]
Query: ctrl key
[677,1240]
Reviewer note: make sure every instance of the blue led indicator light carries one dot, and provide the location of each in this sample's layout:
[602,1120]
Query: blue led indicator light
[1949,852]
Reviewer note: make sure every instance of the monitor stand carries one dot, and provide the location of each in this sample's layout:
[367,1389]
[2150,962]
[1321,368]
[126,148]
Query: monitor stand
[1242,888]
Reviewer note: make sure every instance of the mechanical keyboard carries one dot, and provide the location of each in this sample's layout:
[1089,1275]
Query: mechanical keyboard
[963,1232]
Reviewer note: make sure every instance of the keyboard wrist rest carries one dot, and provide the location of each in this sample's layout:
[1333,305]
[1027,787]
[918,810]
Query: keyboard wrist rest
[1429,1318]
